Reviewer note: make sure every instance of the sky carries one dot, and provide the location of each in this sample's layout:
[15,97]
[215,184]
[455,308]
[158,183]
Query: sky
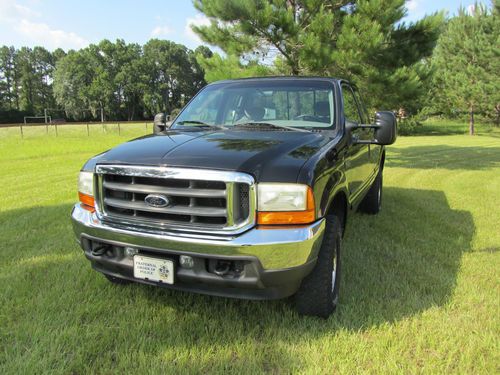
[75,24]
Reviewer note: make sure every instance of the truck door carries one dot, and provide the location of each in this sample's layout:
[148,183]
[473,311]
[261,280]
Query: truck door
[357,161]
[373,150]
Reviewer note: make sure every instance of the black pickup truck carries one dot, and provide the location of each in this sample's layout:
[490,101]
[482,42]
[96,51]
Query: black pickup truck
[245,194]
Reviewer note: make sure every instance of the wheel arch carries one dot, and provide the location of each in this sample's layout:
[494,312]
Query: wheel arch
[338,206]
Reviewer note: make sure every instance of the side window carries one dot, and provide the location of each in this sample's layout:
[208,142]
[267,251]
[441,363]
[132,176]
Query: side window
[362,108]
[350,106]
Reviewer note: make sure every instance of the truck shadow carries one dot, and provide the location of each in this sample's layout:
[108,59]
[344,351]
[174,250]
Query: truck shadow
[396,265]
[444,157]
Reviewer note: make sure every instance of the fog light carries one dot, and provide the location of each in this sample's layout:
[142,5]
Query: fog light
[131,251]
[186,261]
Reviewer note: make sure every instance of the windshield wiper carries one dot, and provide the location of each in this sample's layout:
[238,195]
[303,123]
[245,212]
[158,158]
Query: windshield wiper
[270,125]
[195,122]
[198,124]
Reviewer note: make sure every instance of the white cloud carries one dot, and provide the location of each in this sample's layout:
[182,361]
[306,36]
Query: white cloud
[161,30]
[21,17]
[43,34]
[197,20]
[10,9]
[412,5]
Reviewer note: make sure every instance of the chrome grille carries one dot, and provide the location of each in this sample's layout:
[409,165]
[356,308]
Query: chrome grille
[198,199]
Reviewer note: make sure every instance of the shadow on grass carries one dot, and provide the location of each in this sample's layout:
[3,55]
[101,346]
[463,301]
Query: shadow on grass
[395,266]
[444,157]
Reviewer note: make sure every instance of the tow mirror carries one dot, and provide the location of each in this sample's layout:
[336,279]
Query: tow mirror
[385,129]
[160,123]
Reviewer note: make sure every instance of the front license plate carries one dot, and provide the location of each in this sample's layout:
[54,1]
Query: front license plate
[154,269]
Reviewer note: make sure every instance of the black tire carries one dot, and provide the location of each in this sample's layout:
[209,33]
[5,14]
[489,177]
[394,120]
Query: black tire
[316,295]
[372,202]
[117,280]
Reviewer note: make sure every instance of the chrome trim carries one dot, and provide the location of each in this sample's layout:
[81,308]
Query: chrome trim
[275,248]
[179,210]
[151,189]
[176,173]
[229,177]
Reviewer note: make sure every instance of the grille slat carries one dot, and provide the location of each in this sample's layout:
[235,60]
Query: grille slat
[206,200]
[174,210]
[150,189]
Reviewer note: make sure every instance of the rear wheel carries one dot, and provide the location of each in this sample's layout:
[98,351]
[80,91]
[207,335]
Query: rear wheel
[372,202]
[117,280]
[318,294]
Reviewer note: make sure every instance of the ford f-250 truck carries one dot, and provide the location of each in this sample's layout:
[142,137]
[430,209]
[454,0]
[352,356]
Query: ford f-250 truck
[245,194]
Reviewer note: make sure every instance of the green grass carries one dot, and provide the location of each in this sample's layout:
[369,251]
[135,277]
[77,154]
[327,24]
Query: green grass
[420,290]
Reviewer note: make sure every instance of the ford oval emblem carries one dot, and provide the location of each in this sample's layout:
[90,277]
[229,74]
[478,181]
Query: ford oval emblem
[157,200]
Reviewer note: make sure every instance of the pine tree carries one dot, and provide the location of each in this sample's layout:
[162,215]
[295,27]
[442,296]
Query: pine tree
[467,64]
[362,40]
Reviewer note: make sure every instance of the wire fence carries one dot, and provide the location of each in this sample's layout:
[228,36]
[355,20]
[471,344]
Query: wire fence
[55,125]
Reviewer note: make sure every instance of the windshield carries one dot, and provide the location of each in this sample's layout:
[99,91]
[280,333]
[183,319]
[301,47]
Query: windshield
[300,103]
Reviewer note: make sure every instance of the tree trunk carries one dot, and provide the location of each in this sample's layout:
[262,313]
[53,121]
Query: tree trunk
[471,123]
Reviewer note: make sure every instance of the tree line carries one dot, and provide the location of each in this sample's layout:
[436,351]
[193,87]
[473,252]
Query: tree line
[437,65]
[108,80]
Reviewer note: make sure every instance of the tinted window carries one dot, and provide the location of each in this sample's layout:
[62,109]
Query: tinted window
[298,103]
[364,113]
[350,106]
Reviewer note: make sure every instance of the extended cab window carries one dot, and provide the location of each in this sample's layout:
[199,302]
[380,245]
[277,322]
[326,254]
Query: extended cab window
[351,110]
[307,104]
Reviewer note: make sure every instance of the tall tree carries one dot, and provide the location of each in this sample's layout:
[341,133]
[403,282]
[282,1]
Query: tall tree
[9,97]
[72,81]
[467,64]
[362,40]
[170,75]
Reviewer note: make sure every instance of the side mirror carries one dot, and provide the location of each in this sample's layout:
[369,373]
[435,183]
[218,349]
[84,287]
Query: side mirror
[160,123]
[385,128]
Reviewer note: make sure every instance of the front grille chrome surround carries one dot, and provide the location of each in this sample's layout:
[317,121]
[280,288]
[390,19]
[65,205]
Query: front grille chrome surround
[206,201]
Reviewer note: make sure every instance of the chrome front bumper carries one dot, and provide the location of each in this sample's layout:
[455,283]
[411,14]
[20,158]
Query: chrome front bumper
[275,249]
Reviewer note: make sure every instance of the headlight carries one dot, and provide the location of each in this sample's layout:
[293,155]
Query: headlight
[282,197]
[86,183]
[86,190]
[285,204]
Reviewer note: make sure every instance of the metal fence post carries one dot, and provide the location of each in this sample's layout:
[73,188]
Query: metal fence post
[55,125]
[21,127]
[119,130]
[88,132]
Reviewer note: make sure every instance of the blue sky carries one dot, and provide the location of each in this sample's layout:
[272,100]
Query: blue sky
[75,24]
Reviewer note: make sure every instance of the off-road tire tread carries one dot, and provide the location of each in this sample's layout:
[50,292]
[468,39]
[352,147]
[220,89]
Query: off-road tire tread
[314,296]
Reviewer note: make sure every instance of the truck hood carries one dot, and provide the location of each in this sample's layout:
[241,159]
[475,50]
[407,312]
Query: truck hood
[267,155]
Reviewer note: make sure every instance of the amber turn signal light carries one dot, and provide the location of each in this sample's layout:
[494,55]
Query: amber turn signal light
[289,217]
[87,201]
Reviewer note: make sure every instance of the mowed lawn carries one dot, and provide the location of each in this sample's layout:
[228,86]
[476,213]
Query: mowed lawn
[420,289]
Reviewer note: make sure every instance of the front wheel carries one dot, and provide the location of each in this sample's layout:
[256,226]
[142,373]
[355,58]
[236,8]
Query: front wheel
[318,294]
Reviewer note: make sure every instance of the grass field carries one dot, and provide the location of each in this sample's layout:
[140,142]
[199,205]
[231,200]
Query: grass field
[420,292]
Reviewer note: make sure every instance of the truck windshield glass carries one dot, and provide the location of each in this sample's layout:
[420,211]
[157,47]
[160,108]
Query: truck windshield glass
[305,104]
